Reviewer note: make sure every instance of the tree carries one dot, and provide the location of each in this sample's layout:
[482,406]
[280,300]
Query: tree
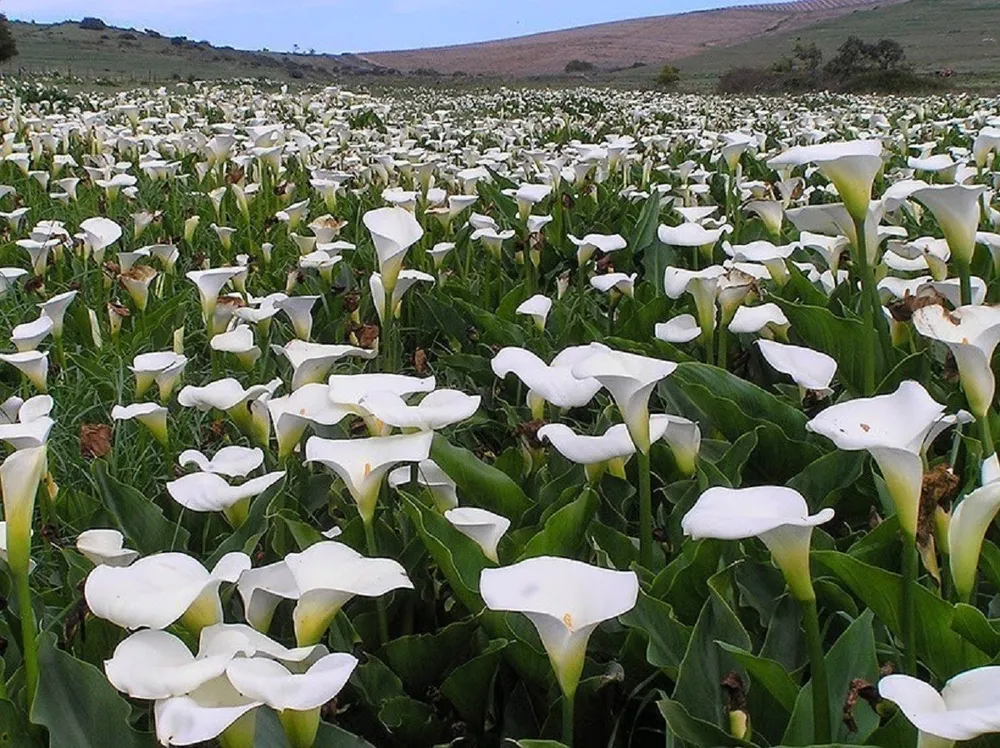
[579,66]
[669,75]
[888,54]
[807,55]
[8,45]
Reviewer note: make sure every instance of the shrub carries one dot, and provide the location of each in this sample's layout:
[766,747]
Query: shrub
[8,46]
[579,66]
[93,24]
[127,36]
[669,75]
[750,81]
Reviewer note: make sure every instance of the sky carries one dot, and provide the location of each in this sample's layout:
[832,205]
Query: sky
[348,25]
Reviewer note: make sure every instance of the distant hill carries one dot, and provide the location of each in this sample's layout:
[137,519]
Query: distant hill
[960,35]
[622,44]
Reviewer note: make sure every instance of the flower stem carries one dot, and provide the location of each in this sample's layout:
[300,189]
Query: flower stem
[723,359]
[987,436]
[28,643]
[383,620]
[645,513]
[965,278]
[871,308]
[910,561]
[567,719]
[817,663]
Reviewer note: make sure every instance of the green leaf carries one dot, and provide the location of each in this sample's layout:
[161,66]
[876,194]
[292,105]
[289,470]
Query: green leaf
[943,650]
[565,530]
[682,725]
[468,687]
[421,659]
[77,704]
[12,728]
[975,628]
[820,329]
[331,736]
[827,476]
[480,484]
[767,673]
[735,407]
[457,556]
[141,521]
[644,232]
[705,663]
[851,656]
[666,636]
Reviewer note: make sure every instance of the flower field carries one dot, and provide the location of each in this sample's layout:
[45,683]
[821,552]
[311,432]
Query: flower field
[499,418]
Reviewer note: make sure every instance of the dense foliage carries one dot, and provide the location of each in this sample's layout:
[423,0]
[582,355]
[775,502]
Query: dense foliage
[499,418]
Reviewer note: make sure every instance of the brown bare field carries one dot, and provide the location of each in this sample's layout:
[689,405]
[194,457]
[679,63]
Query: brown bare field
[621,44]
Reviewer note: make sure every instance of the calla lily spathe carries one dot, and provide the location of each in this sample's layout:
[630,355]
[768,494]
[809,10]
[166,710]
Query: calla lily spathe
[394,230]
[327,575]
[968,706]
[363,463]
[105,547]
[893,429]
[777,515]
[158,590]
[553,383]
[566,600]
[630,379]
[972,334]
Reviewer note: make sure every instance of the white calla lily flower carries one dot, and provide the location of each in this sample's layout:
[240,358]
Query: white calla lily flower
[105,547]
[967,707]
[566,600]
[158,590]
[328,574]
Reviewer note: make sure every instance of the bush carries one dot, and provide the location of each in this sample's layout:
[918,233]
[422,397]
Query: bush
[93,24]
[669,75]
[750,81]
[127,37]
[8,46]
[579,66]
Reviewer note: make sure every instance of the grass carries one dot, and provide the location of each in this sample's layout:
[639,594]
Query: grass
[963,35]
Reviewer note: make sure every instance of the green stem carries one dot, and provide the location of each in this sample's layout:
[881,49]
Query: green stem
[876,326]
[645,513]
[28,642]
[817,664]
[987,436]
[567,719]
[965,278]
[612,308]
[910,561]
[388,332]
[723,360]
[383,620]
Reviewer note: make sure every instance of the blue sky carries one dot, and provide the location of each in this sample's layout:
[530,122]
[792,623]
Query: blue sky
[348,25]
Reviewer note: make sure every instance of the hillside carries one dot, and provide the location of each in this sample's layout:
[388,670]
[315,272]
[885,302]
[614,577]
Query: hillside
[135,55]
[622,44]
[960,35]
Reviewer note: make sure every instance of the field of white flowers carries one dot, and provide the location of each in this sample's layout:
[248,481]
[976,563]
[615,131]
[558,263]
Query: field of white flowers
[515,418]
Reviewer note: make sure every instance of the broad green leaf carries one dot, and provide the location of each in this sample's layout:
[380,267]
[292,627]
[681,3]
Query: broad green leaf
[667,638]
[851,656]
[468,686]
[976,629]
[943,650]
[457,556]
[820,329]
[824,478]
[564,531]
[13,733]
[480,484]
[694,731]
[421,659]
[705,663]
[767,673]
[78,706]
[141,521]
